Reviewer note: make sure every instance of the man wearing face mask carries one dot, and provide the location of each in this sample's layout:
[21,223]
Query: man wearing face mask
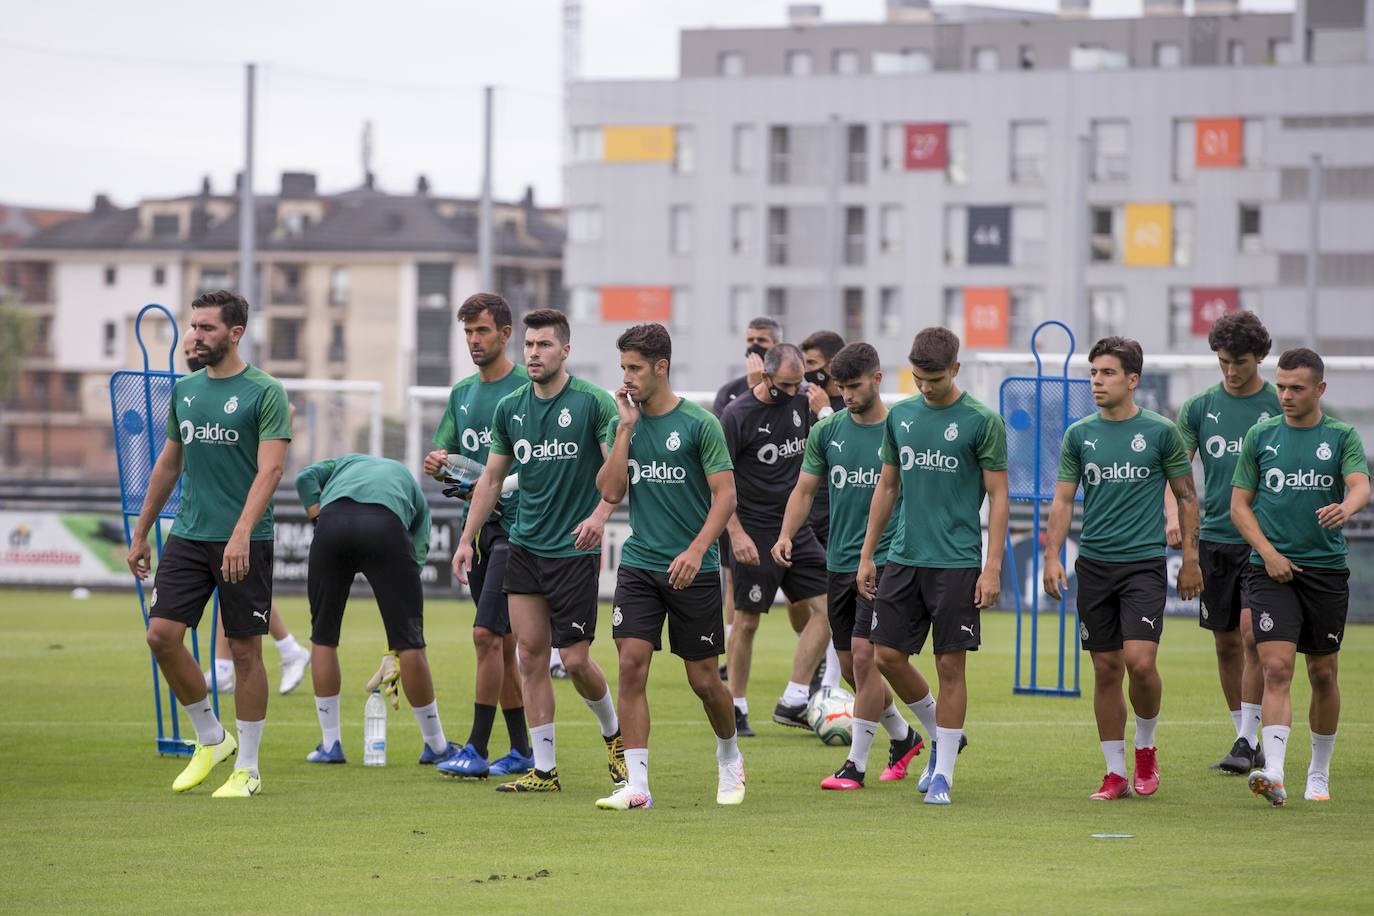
[761,336]
[765,430]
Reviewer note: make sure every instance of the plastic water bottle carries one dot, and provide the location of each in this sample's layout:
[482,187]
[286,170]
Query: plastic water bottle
[464,470]
[374,731]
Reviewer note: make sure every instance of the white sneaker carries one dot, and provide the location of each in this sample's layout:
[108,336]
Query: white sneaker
[1318,787]
[625,798]
[730,785]
[293,670]
[226,684]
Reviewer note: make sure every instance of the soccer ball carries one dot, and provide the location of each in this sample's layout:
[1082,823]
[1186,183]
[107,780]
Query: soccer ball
[831,714]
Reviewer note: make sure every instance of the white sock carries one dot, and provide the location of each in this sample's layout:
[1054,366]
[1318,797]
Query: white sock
[896,726]
[1113,751]
[250,739]
[1236,720]
[327,709]
[950,737]
[1145,731]
[795,694]
[1250,722]
[831,678]
[727,750]
[287,645]
[208,730]
[1275,747]
[637,762]
[863,732]
[729,628]
[541,736]
[430,726]
[224,670]
[742,705]
[924,710]
[555,657]
[1322,746]
[604,710]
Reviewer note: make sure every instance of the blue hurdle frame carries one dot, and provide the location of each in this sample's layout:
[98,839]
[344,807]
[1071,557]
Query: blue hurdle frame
[173,744]
[1036,496]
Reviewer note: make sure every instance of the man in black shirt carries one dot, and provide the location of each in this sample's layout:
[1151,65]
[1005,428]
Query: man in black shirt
[765,431]
[761,336]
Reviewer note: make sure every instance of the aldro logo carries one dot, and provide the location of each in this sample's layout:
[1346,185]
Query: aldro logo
[548,450]
[209,433]
[1307,479]
[1218,446]
[841,477]
[656,472]
[927,460]
[770,453]
[1120,472]
[475,441]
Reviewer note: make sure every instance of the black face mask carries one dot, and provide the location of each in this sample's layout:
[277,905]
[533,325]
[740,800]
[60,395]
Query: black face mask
[758,350]
[818,377]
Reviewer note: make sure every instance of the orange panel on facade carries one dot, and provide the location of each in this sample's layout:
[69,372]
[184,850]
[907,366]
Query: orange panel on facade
[637,303]
[1219,143]
[987,316]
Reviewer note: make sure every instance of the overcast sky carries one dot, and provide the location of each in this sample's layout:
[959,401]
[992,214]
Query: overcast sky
[144,97]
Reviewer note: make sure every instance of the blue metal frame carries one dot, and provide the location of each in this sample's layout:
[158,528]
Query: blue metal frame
[1036,496]
[173,744]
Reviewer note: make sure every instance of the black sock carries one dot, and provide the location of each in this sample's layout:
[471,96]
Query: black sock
[515,724]
[482,718]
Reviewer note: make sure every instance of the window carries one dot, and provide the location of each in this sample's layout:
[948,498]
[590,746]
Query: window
[212,278]
[1028,236]
[586,144]
[1111,150]
[108,340]
[1252,146]
[1183,235]
[1281,51]
[684,150]
[853,305]
[907,60]
[159,276]
[584,224]
[777,236]
[779,160]
[584,303]
[680,229]
[166,226]
[730,63]
[984,58]
[855,236]
[337,352]
[1025,57]
[742,229]
[894,147]
[1106,312]
[681,308]
[338,286]
[890,310]
[799,63]
[1103,243]
[286,284]
[741,307]
[954,308]
[890,229]
[285,338]
[111,275]
[957,170]
[1185,152]
[845,62]
[856,154]
[1235,53]
[1026,305]
[433,285]
[1168,54]
[743,149]
[1250,238]
[956,232]
[775,303]
[1029,144]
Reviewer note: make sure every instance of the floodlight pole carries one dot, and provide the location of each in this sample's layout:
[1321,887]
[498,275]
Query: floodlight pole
[485,273]
[1314,197]
[247,214]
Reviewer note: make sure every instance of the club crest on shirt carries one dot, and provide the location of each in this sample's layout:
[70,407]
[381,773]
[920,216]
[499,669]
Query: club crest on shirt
[951,432]
[1138,443]
[674,441]
[1264,415]
[1324,451]
[565,418]
[796,418]
[232,404]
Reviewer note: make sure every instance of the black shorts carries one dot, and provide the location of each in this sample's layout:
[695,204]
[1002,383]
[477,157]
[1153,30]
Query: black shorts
[1120,601]
[188,572]
[696,625]
[755,586]
[1309,610]
[851,614]
[912,601]
[1223,585]
[352,538]
[568,584]
[487,578]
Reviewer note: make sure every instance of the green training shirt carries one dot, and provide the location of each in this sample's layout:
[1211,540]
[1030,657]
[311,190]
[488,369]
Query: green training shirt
[219,422]
[556,445]
[373,480]
[1294,472]
[1123,466]
[1213,423]
[465,428]
[941,454]
[670,458]
[847,456]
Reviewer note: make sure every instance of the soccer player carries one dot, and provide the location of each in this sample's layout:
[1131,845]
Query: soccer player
[465,429]
[371,518]
[1299,479]
[842,455]
[942,453]
[670,455]
[1122,455]
[227,432]
[1216,421]
[556,429]
[765,429]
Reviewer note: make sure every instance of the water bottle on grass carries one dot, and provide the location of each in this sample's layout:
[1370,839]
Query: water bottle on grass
[374,731]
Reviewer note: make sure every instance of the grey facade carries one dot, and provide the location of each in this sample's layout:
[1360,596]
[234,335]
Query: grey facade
[1097,114]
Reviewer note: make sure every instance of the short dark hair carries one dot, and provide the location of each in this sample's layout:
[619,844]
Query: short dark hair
[550,318]
[765,323]
[652,341]
[828,342]
[233,308]
[473,307]
[1239,333]
[783,353]
[1302,358]
[1124,349]
[854,361]
[934,349]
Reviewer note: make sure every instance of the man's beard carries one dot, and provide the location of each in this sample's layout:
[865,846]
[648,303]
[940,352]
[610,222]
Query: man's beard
[213,355]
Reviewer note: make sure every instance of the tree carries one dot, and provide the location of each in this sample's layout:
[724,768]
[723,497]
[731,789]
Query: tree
[16,334]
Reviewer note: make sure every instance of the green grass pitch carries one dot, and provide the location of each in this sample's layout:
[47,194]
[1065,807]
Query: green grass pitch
[91,823]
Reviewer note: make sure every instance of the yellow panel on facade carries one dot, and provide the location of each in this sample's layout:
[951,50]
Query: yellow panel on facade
[638,144]
[906,382]
[1149,235]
